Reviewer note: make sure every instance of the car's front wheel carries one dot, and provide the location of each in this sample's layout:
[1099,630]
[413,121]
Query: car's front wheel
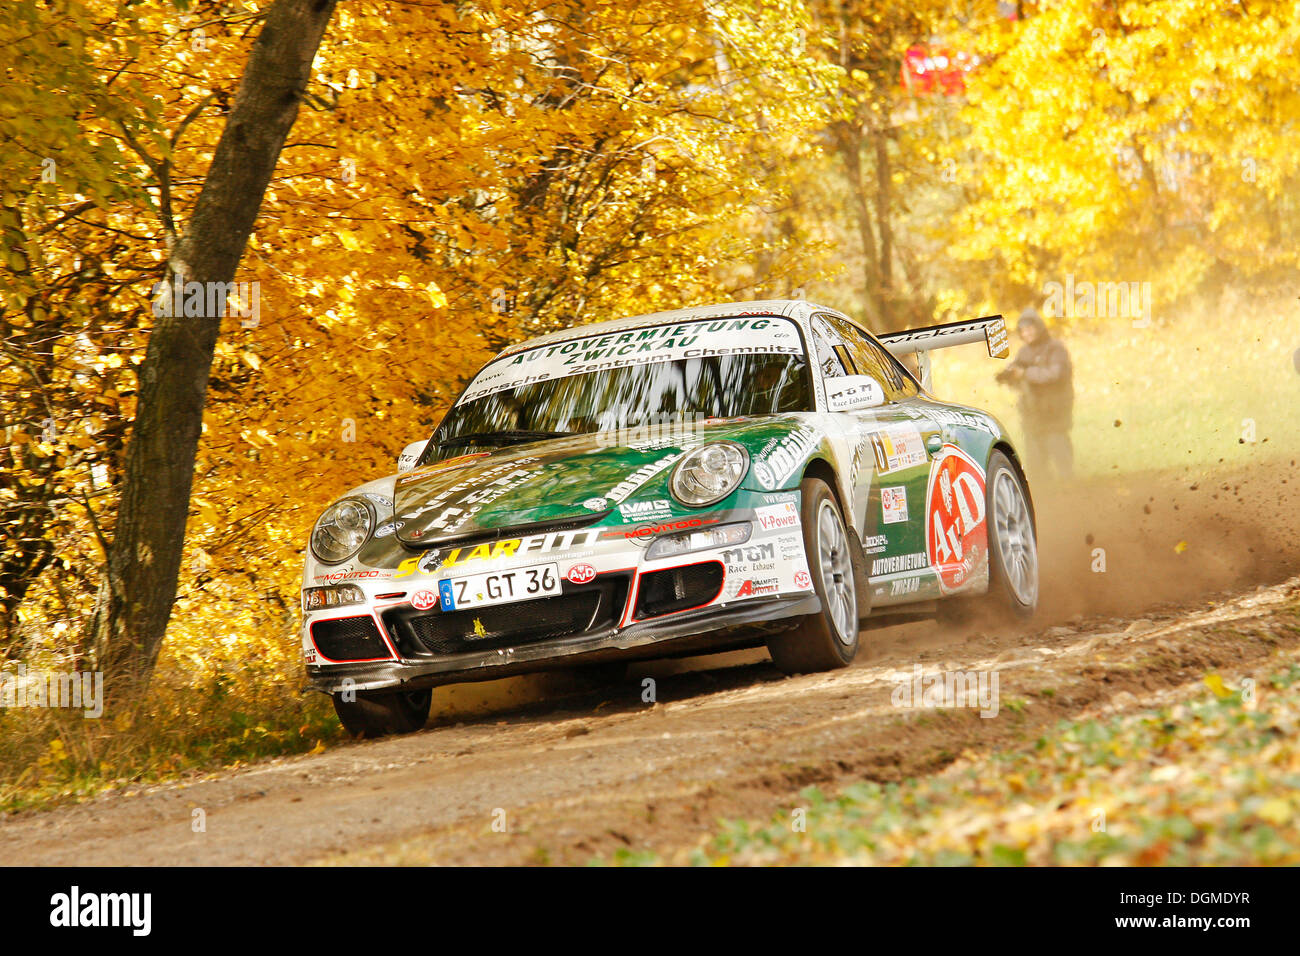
[1013,541]
[377,713]
[828,639]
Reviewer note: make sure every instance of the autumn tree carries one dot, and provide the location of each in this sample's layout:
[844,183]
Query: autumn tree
[458,176]
[71,198]
[144,560]
[882,150]
[1134,142]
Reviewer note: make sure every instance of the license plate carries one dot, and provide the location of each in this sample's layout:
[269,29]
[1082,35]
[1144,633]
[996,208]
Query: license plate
[499,587]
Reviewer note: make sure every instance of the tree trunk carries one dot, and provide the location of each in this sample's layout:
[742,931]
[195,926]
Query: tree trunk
[138,586]
[849,141]
[889,318]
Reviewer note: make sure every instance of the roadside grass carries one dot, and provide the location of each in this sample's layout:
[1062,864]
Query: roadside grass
[1211,780]
[229,705]
[1190,391]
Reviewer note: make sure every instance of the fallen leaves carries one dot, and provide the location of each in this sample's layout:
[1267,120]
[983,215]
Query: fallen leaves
[1207,781]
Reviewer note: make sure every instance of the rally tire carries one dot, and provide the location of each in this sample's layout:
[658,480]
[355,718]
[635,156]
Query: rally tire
[379,713]
[1013,541]
[862,583]
[828,639]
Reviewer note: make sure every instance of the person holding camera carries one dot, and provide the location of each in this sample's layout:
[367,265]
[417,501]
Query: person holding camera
[1043,375]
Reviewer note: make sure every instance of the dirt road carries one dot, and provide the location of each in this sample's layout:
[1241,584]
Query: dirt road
[1148,584]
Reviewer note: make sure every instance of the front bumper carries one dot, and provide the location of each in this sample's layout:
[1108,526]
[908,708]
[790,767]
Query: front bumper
[615,602]
[689,632]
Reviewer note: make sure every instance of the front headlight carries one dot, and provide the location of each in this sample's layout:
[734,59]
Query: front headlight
[684,542]
[342,530]
[709,474]
[334,595]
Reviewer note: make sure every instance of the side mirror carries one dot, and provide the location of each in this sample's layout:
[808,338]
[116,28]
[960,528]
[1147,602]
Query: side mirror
[411,454]
[851,393]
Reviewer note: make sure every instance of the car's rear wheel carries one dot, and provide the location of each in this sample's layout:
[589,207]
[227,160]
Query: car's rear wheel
[1013,541]
[828,639]
[377,713]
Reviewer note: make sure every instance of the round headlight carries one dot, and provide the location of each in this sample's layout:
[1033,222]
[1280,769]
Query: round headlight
[709,474]
[342,530]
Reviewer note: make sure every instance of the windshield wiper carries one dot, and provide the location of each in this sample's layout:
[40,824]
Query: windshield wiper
[501,437]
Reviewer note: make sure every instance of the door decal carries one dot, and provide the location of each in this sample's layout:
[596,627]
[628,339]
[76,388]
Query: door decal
[956,532]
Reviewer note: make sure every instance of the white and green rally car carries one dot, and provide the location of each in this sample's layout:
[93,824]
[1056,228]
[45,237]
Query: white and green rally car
[684,482]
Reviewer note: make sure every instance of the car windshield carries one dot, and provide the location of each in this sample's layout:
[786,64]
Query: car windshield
[723,368]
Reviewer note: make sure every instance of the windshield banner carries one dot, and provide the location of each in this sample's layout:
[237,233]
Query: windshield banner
[759,335]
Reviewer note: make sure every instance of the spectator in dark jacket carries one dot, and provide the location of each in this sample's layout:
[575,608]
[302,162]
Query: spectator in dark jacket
[1042,373]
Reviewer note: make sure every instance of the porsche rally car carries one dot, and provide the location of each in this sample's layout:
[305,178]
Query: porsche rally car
[745,474]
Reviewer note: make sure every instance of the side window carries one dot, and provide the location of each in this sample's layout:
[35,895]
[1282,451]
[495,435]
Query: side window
[870,358]
[832,356]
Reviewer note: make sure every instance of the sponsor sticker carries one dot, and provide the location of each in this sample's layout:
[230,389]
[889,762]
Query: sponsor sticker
[555,541]
[875,544]
[669,342]
[899,562]
[510,549]
[777,517]
[963,419]
[751,553]
[427,470]
[956,533]
[657,509]
[898,447]
[751,588]
[458,506]
[581,573]
[781,457]
[995,337]
[348,575]
[893,504]
[643,533]
[424,599]
[639,477]
[791,546]
[903,586]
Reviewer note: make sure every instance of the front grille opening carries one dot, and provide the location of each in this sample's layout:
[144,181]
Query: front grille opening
[676,589]
[349,639]
[580,608]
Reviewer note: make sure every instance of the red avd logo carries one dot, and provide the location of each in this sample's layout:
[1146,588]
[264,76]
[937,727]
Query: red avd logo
[581,573]
[801,580]
[956,534]
[423,600]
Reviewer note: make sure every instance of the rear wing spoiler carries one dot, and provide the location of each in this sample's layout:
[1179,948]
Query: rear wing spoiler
[990,329]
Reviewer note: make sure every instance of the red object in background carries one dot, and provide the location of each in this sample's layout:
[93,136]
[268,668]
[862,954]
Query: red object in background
[930,70]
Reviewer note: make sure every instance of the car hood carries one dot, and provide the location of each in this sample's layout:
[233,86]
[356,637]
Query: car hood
[564,479]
